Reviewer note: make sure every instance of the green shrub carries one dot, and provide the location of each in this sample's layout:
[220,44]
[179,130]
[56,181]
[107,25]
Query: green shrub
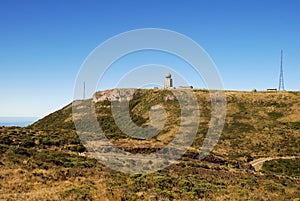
[78,193]
[289,167]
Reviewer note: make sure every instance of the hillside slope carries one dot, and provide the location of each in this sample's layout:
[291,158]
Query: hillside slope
[257,124]
[47,161]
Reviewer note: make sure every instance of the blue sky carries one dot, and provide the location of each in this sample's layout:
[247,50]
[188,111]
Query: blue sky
[44,43]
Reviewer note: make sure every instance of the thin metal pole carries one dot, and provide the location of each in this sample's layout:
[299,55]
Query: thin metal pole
[281,80]
[83,89]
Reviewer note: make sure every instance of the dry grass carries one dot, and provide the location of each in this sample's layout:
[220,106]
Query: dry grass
[45,161]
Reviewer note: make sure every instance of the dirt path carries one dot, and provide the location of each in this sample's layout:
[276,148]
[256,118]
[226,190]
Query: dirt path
[257,164]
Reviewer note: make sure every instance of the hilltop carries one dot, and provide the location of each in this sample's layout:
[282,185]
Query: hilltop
[258,124]
[47,161]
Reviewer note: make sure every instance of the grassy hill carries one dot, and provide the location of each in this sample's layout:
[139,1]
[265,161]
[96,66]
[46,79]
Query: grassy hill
[47,161]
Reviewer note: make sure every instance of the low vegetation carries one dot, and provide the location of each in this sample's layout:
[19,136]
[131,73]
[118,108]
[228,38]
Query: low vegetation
[47,161]
[290,167]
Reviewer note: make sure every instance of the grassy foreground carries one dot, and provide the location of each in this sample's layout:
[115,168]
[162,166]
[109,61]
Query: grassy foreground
[47,161]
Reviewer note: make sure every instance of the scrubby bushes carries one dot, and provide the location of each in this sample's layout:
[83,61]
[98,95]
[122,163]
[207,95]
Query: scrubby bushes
[289,167]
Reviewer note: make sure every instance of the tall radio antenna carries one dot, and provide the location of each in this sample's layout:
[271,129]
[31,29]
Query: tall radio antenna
[281,81]
[83,89]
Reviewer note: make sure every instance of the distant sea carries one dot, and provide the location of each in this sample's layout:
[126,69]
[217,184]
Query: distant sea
[17,121]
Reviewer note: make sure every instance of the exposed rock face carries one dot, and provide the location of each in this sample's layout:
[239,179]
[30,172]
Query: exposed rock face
[157,107]
[125,94]
[169,98]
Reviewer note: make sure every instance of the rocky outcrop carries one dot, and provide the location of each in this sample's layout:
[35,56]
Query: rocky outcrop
[124,94]
[169,98]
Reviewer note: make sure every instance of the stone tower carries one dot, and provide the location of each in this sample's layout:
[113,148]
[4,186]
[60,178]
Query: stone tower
[168,81]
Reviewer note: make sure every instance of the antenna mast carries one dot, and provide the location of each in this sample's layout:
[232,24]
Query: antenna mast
[83,89]
[281,81]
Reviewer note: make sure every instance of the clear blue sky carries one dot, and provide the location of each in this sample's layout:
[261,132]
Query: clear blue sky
[44,42]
